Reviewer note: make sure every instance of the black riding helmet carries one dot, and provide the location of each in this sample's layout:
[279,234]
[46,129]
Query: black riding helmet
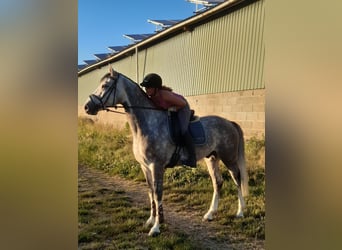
[152,81]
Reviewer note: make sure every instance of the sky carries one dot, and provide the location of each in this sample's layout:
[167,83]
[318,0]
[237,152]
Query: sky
[102,23]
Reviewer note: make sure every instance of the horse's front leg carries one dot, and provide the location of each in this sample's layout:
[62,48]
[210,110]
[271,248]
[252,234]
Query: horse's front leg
[149,181]
[157,175]
[152,217]
[216,178]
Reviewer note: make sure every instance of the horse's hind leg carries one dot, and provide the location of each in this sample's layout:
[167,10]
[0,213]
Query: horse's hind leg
[241,201]
[216,177]
[236,176]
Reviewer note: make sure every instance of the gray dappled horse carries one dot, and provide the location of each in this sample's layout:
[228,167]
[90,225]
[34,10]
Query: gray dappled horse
[153,149]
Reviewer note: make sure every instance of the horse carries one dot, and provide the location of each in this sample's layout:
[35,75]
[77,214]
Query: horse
[153,148]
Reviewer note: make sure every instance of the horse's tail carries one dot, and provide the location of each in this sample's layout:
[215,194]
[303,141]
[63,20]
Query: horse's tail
[241,161]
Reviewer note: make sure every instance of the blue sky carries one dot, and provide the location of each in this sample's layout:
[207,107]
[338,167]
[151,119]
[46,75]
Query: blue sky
[102,23]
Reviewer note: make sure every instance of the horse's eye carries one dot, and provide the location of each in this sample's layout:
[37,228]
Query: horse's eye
[106,84]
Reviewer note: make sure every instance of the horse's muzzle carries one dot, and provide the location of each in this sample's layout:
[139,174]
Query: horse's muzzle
[92,107]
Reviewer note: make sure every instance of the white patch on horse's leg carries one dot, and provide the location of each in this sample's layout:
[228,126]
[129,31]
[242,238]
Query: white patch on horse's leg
[233,177]
[155,229]
[152,218]
[157,176]
[213,167]
[241,204]
[213,207]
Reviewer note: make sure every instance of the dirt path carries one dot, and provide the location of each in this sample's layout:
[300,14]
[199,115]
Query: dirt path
[189,223]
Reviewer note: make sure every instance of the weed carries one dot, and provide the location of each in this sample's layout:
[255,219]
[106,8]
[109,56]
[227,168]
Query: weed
[255,152]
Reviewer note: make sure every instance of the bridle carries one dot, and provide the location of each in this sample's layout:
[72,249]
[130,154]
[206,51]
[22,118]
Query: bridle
[112,90]
[102,100]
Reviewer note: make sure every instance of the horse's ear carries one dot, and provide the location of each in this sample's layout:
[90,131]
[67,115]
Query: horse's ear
[111,71]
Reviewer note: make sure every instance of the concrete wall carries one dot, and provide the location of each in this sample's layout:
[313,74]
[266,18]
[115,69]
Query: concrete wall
[247,108]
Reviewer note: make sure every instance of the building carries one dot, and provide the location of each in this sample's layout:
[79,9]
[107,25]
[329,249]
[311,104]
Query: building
[214,58]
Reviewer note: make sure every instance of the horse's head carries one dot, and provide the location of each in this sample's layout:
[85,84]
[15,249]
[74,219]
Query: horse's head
[104,95]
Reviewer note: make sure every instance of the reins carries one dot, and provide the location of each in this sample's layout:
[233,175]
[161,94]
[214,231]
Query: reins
[131,107]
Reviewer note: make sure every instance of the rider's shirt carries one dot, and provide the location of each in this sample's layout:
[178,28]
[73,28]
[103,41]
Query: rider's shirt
[160,102]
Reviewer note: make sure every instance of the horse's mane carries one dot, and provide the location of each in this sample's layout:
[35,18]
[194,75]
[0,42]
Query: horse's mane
[107,75]
[138,87]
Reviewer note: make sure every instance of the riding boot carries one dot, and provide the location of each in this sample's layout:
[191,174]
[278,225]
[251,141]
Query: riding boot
[191,161]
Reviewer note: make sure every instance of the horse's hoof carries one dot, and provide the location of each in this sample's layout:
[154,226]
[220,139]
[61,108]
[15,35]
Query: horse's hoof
[207,218]
[153,233]
[239,215]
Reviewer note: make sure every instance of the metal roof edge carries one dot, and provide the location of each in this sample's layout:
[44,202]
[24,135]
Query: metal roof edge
[182,25]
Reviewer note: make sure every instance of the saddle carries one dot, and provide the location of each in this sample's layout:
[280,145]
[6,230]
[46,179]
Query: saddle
[196,131]
[195,128]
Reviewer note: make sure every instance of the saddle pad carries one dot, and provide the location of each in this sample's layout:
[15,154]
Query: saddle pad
[197,132]
[195,128]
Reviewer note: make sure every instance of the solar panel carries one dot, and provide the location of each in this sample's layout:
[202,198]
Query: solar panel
[215,1]
[116,49]
[164,23]
[102,56]
[206,3]
[137,37]
[161,24]
[89,62]
[81,66]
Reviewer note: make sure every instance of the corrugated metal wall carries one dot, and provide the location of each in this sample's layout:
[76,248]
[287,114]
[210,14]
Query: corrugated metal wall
[87,83]
[224,55]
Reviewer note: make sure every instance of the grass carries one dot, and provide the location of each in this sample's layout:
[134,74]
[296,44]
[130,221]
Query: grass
[110,150]
[193,189]
[109,220]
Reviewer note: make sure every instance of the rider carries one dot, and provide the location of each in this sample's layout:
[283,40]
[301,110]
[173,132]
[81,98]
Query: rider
[164,98]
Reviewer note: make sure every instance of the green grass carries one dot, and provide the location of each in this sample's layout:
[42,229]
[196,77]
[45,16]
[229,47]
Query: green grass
[107,219]
[193,190]
[107,148]
[110,150]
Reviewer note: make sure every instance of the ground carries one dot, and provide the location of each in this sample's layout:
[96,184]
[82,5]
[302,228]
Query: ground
[189,223]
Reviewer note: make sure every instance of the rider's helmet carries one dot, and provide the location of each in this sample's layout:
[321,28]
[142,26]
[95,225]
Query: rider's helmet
[152,81]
